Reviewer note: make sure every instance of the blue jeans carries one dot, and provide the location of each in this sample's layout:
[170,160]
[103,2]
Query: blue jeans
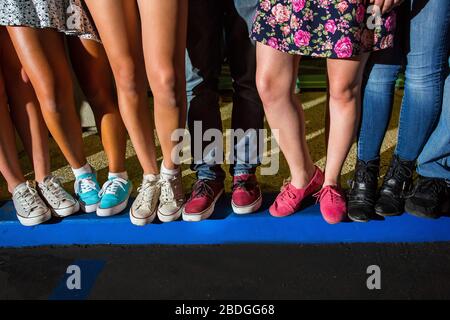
[219,29]
[426,48]
[434,160]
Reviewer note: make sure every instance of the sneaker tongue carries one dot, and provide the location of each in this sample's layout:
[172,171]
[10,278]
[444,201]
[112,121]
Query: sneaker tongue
[47,178]
[21,187]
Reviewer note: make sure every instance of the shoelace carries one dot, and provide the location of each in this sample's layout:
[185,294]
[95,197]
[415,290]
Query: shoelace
[29,199]
[398,171]
[85,185]
[146,193]
[201,189]
[244,184]
[286,192]
[53,189]
[334,194]
[364,173]
[111,186]
[170,192]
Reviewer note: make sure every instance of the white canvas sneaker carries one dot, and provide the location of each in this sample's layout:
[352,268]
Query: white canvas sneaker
[171,199]
[31,210]
[144,207]
[58,200]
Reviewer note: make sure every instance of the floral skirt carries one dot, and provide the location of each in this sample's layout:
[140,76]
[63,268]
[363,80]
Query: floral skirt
[322,28]
[68,16]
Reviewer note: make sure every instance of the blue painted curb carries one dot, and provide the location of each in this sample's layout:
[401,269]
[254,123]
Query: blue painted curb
[224,227]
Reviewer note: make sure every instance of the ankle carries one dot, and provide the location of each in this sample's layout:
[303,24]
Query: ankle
[82,170]
[331,183]
[301,180]
[13,185]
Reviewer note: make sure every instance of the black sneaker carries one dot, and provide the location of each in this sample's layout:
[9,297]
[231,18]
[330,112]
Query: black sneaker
[396,185]
[362,195]
[429,198]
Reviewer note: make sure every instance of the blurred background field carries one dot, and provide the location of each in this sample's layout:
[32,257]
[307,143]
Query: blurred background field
[312,81]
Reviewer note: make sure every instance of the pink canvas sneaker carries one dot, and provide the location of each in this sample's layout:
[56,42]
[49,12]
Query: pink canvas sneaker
[290,198]
[246,196]
[333,204]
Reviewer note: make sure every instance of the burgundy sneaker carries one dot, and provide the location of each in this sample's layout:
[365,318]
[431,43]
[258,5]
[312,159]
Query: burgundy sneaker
[246,196]
[290,199]
[333,204]
[204,196]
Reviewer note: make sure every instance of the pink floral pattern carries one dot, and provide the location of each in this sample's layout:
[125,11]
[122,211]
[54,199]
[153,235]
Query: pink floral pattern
[322,28]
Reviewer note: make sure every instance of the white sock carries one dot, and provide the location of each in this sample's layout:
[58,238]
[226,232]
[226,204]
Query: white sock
[169,173]
[83,170]
[122,175]
[151,177]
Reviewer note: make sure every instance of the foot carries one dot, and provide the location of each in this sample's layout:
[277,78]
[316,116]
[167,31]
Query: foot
[246,197]
[200,205]
[396,184]
[143,210]
[114,196]
[87,192]
[290,199]
[332,204]
[171,199]
[31,210]
[362,195]
[428,198]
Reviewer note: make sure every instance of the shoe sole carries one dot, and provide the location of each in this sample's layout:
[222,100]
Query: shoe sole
[89,208]
[172,217]
[384,214]
[420,214]
[109,212]
[357,220]
[66,212]
[205,214]
[247,209]
[140,222]
[30,222]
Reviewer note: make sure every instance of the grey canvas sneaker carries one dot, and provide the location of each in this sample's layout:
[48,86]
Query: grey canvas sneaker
[58,200]
[171,199]
[31,210]
[144,207]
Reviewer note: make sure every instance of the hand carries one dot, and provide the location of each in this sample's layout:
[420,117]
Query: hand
[386,5]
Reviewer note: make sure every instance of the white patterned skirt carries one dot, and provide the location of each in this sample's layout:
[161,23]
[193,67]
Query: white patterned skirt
[68,16]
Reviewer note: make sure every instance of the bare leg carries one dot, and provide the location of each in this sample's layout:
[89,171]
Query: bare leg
[93,71]
[25,110]
[43,57]
[9,161]
[345,78]
[164,40]
[118,25]
[275,77]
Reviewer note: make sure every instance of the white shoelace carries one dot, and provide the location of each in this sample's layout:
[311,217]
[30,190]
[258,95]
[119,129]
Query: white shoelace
[170,190]
[29,199]
[85,185]
[111,186]
[53,191]
[147,192]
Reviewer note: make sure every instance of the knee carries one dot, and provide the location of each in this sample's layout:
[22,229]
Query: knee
[343,94]
[165,85]
[269,89]
[53,97]
[126,76]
